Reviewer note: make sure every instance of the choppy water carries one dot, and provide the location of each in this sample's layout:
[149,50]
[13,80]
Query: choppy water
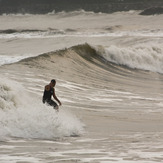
[108,69]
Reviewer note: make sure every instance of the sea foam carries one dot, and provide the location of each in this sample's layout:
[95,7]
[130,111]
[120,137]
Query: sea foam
[10,59]
[145,56]
[25,116]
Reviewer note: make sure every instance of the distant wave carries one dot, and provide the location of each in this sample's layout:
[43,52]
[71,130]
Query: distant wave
[49,31]
[144,57]
[44,6]
[72,13]
[10,31]
[110,31]
[152,11]
[35,33]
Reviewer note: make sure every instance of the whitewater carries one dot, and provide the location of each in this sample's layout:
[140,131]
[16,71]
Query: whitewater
[109,73]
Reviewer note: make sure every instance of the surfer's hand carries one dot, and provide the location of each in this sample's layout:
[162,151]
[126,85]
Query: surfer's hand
[60,103]
[43,101]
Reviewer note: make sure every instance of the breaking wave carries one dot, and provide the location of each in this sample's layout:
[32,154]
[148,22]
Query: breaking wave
[145,57]
[152,11]
[148,57]
[22,115]
[42,7]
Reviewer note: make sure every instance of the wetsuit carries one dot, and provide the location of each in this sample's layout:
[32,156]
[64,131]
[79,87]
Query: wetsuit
[47,97]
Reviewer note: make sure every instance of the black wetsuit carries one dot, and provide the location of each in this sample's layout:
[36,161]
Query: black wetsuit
[47,97]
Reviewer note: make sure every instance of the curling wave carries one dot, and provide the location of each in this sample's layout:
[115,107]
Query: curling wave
[144,57]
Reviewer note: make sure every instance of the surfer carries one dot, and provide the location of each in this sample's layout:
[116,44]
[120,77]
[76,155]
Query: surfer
[48,92]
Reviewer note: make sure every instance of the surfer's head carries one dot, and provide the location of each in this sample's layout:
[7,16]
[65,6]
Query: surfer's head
[53,82]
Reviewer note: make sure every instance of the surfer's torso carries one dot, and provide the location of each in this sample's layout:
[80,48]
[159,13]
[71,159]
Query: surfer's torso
[48,93]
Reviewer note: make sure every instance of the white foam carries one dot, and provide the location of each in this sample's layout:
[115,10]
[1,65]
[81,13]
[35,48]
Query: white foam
[10,59]
[23,115]
[15,159]
[145,56]
[87,34]
[6,147]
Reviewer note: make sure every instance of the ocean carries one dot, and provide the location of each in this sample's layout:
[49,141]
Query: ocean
[109,73]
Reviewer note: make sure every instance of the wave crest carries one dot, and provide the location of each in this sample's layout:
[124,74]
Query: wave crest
[145,57]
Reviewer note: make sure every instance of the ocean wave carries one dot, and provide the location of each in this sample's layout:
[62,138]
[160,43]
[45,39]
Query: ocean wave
[49,31]
[73,13]
[10,59]
[109,31]
[42,7]
[27,117]
[152,11]
[10,31]
[145,57]
[35,33]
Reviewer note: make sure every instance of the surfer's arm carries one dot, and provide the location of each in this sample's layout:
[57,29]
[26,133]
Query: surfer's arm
[55,97]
